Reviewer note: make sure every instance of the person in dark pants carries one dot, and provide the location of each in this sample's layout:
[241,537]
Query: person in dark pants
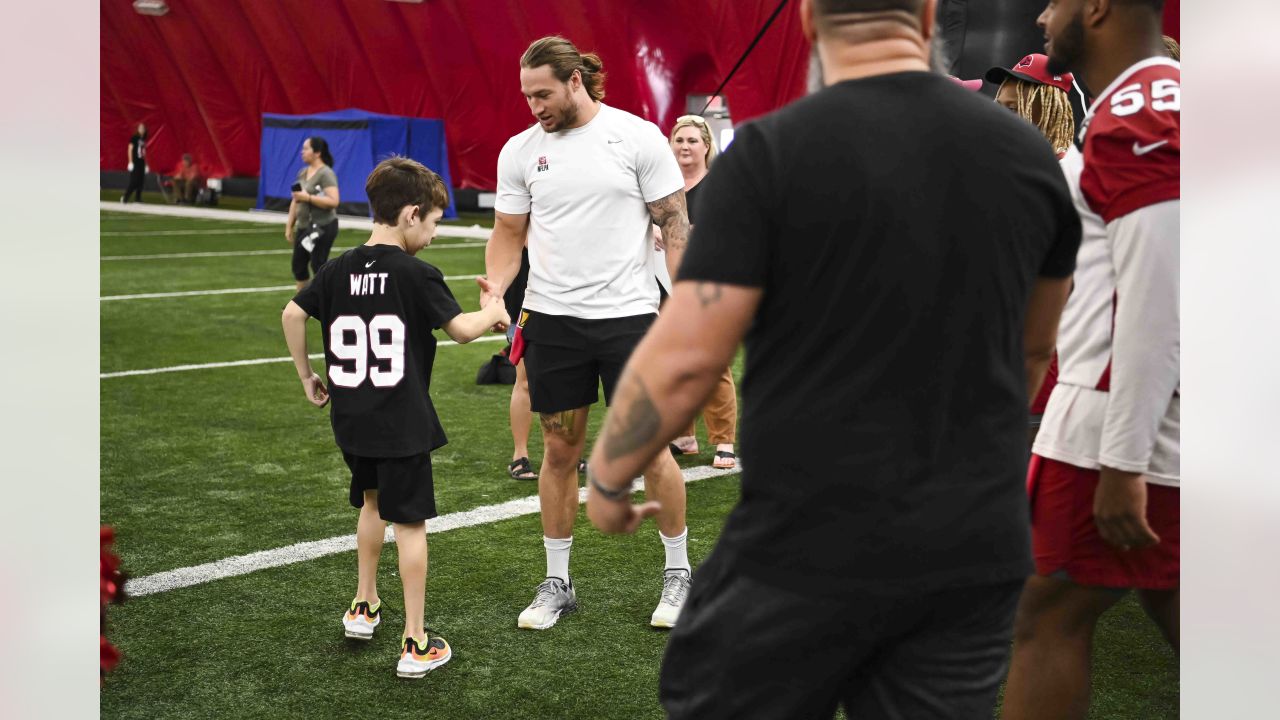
[313,213]
[137,164]
[896,252]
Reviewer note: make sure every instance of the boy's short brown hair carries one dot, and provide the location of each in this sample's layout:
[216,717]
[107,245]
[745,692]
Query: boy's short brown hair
[400,181]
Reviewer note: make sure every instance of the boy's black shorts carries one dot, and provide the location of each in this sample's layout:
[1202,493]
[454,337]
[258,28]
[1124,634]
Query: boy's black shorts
[406,491]
[568,358]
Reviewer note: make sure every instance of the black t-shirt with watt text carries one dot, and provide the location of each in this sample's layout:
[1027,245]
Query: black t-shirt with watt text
[896,225]
[377,306]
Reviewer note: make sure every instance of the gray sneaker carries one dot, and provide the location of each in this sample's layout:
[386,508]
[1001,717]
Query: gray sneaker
[675,588]
[554,598]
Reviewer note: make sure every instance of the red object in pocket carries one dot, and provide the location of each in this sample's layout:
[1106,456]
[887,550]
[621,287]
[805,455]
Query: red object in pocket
[517,346]
[517,340]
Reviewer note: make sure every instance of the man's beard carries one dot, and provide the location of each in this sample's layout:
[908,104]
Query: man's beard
[1068,48]
[568,116]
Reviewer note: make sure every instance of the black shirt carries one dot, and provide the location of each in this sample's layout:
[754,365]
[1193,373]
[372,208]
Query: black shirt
[896,225]
[138,151]
[691,198]
[377,306]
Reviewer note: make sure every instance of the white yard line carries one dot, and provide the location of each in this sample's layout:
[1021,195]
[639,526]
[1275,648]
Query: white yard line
[301,552]
[211,231]
[256,361]
[246,253]
[230,291]
[196,293]
[266,217]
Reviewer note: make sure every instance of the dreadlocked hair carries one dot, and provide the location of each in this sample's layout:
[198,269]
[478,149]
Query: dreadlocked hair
[1049,109]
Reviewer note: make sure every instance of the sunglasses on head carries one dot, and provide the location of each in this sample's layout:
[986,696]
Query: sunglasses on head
[695,119]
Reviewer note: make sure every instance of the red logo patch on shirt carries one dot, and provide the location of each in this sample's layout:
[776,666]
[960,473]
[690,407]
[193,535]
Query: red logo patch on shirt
[542,163]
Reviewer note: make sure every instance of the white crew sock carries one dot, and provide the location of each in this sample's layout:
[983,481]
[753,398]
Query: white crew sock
[558,556]
[677,551]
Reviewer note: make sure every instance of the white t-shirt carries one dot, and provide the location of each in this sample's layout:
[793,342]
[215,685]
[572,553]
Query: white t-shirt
[585,191]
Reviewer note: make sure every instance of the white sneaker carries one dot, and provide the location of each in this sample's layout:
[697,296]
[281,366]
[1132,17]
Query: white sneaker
[554,598]
[675,588]
[360,620]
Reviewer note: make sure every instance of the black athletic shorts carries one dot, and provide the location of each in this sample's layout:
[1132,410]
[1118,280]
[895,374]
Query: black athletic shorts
[406,491]
[568,358]
[319,255]
[747,648]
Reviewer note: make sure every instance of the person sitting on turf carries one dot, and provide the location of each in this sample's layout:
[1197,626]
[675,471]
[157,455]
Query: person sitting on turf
[186,180]
[378,306]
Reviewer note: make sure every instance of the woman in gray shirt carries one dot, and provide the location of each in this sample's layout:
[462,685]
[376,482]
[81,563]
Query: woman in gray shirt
[313,213]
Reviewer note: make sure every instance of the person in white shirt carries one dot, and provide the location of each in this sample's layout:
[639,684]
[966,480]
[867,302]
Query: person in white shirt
[584,184]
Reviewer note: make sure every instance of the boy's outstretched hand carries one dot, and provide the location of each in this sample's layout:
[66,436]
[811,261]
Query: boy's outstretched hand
[315,390]
[488,293]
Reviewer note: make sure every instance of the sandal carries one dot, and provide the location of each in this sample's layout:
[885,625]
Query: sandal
[724,460]
[520,469]
[679,451]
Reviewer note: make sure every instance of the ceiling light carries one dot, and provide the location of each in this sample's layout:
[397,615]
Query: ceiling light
[151,7]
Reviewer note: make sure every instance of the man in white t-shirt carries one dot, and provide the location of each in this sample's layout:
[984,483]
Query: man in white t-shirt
[585,184]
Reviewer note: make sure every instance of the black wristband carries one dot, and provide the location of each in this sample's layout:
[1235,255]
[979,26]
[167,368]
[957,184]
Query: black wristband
[619,495]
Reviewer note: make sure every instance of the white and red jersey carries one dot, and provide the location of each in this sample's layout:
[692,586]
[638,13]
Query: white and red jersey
[1116,402]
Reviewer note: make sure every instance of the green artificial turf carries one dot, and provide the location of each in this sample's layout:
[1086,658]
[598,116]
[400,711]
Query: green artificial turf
[206,464]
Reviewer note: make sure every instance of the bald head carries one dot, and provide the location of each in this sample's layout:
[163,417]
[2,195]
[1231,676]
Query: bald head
[863,20]
[837,7]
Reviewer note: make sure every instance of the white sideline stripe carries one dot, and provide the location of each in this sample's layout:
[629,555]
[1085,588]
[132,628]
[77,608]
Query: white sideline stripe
[211,231]
[245,253]
[228,291]
[267,217]
[256,361]
[303,551]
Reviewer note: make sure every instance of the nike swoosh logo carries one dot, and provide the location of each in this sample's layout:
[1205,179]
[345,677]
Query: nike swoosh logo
[370,263]
[1141,150]
[613,142]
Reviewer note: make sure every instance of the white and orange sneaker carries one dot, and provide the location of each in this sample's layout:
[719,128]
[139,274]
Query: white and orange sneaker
[361,619]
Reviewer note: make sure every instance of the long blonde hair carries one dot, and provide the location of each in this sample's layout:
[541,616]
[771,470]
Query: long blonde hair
[1049,109]
[696,121]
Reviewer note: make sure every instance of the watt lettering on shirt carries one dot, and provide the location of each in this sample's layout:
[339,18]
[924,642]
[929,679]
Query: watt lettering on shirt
[369,283]
[585,191]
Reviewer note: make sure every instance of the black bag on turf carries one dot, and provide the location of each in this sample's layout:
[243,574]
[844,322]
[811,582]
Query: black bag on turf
[498,371]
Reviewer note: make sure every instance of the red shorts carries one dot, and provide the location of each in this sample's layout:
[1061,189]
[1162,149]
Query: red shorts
[1065,540]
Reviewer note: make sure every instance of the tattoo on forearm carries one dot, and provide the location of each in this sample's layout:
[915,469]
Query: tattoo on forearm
[670,214]
[708,293]
[626,434]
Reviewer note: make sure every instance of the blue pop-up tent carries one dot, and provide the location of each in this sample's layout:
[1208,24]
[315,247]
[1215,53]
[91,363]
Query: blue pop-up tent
[358,140]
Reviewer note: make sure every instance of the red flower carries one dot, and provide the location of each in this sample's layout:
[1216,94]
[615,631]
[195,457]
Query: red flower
[111,590]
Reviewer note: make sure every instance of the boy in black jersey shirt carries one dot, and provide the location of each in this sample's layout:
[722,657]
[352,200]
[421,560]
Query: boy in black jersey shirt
[378,306]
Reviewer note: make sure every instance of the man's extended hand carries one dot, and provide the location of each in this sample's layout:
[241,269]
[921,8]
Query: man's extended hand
[315,390]
[488,292]
[1120,510]
[618,516]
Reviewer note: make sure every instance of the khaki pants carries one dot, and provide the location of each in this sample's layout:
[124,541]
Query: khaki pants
[720,413]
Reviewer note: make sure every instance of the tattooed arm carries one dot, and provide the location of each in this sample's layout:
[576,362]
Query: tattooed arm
[672,218]
[669,377]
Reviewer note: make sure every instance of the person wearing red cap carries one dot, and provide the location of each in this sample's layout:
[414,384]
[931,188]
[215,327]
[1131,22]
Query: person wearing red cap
[1106,466]
[1039,96]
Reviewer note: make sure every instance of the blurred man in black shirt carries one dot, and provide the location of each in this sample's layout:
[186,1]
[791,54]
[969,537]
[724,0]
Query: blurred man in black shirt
[881,246]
